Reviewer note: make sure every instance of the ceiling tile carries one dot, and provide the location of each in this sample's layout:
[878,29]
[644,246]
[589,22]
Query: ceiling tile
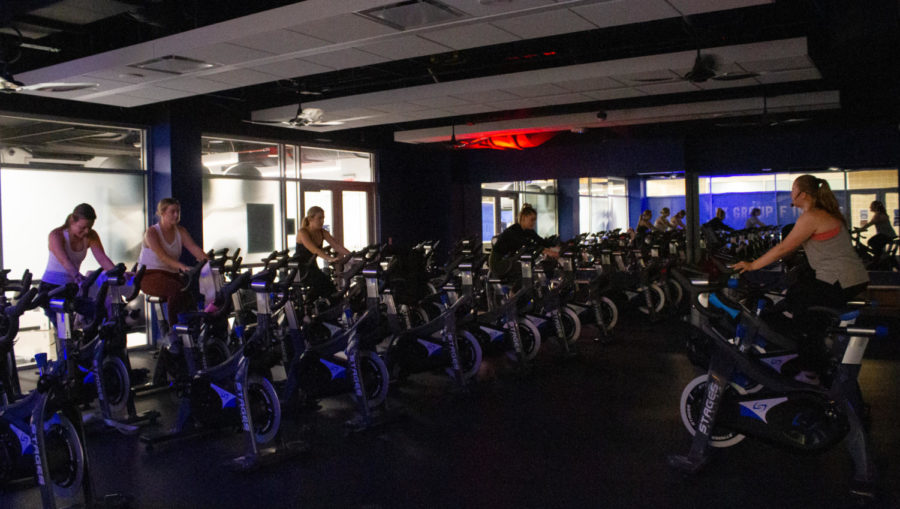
[516,104]
[345,58]
[608,14]
[424,114]
[583,85]
[398,107]
[292,68]
[798,75]
[487,7]
[127,74]
[689,7]
[343,28]
[536,90]
[196,85]
[610,95]
[441,101]
[467,109]
[470,36]
[486,96]
[241,77]
[224,53]
[560,21]
[160,94]
[280,42]
[778,64]
[667,88]
[125,101]
[405,47]
[563,99]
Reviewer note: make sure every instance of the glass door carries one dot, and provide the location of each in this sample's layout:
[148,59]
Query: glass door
[349,210]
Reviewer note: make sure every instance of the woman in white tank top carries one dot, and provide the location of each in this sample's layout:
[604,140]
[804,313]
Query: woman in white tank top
[160,253]
[68,247]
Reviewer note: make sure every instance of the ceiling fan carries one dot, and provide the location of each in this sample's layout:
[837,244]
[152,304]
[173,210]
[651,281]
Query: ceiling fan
[9,84]
[456,144]
[706,67]
[306,117]
[763,120]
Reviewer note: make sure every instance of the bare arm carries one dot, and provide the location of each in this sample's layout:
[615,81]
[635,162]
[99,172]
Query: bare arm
[192,246]
[56,243]
[333,243]
[803,229]
[308,243]
[99,253]
[152,240]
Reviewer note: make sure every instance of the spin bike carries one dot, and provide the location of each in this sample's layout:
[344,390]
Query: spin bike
[746,393]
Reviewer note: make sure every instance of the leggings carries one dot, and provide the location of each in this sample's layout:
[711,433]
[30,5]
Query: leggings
[162,283]
[812,326]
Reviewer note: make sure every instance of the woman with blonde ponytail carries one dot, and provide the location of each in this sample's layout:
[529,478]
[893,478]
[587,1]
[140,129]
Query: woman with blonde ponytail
[68,247]
[839,273]
[310,238]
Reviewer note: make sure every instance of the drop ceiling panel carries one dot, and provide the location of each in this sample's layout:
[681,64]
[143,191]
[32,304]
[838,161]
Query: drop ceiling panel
[424,114]
[611,95]
[624,12]
[688,7]
[488,8]
[778,64]
[487,96]
[798,75]
[398,107]
[345,58]
[291,68]
[441,101]
[196,85]
[343,28]
[125,101]
[81,12]
[667,88]
[470,36]
[127,74]
[584,85]
[280,41]
[223,53]
[405,47]
[536,90]
[241,77]
[466,109]
[516,104]
[553,100]
[543,24]
[159,94]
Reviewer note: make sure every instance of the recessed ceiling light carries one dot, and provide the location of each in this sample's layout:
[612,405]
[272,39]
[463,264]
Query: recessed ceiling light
[173,64]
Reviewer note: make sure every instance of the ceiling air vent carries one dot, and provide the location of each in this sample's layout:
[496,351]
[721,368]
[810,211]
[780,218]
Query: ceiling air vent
[412,14]
[173,64]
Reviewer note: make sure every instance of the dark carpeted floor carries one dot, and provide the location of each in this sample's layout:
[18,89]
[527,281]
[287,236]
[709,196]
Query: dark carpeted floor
[592,431]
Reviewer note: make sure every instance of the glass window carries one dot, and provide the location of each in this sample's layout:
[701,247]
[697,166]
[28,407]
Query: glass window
[598,209]
[326,164]
[237,158]
[242,214]
[356,231]
[65,164]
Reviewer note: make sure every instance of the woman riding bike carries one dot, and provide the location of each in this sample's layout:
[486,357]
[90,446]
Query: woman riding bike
[839,273]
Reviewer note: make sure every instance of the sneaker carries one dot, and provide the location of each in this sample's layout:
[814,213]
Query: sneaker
[808,377]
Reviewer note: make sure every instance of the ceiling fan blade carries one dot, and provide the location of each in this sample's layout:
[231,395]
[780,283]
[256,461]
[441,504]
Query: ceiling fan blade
[58,87]
[324,123]
[280,123]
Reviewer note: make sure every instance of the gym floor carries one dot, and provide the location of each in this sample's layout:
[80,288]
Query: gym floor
[591,431]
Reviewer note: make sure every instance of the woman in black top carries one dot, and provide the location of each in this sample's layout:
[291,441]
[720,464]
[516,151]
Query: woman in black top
[310,238]
[513,238]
